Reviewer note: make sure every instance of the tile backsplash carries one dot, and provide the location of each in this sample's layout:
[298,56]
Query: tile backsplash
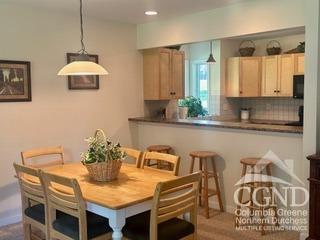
[285,109]
[273,108]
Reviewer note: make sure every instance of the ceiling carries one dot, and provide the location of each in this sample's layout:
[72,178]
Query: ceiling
[130,11]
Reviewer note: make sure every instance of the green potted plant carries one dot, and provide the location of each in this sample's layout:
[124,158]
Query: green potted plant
[103,159]
[194,106]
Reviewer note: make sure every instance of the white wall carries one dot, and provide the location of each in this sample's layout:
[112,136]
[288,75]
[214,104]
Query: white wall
[240,19]
[231,145]
[57,115]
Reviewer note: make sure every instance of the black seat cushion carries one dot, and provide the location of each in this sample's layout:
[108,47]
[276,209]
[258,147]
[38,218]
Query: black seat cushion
[138,228]
[69,225]
[36,212]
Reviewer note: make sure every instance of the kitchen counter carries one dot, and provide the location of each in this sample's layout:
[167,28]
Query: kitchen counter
[257,125]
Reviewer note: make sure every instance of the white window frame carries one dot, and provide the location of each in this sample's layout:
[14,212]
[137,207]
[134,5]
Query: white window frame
[194,85]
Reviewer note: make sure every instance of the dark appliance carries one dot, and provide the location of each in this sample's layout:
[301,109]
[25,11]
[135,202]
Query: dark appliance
[300,122]
[298,86]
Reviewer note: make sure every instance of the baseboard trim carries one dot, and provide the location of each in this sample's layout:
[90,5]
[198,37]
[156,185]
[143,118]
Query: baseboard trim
[4,221]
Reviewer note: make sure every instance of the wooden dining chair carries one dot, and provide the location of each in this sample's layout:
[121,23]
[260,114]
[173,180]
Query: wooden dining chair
[33,201]
[162,157]
[64,194]
[171,200]
[29,156]
[135,154]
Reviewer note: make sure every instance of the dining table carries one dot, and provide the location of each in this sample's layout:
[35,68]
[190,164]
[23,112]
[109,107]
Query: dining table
[130,194]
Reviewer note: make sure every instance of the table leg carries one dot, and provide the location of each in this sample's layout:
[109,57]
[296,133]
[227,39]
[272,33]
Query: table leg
[116,222]
[186,216]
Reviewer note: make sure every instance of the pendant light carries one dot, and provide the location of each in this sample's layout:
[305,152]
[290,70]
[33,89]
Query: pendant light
[82,64]
[211,58]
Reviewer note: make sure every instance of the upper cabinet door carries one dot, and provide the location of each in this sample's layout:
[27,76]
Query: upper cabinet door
[165,74]
[177,80]
[269,76]
[299,64]
[151,75]
[232,77]
[286,71]
[250,76]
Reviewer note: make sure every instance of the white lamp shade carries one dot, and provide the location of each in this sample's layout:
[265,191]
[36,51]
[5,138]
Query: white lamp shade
[80,68]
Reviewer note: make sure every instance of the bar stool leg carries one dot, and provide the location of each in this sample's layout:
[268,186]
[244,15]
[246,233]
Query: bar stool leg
[251,193]
[262,208]
[244,169]
[191,165]
[27,231]
[206,187]
[268,168]
[215,176]
[201,181]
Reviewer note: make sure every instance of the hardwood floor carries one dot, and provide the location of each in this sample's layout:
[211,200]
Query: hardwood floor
[219,227]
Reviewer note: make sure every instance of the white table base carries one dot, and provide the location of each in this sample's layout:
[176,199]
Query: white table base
[117,218]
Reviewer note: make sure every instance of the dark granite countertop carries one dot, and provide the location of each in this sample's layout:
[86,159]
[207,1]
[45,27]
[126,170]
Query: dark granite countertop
[264,126]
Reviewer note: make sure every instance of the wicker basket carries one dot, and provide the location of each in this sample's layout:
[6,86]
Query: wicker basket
[104,171]
[248,50]
[273,48]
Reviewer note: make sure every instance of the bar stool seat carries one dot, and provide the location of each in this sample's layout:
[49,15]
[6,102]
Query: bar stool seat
[159,148]
[203,154]
[205,191]
[254,161]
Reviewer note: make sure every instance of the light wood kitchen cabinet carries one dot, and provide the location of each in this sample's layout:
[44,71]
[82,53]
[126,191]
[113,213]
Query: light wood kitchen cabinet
[269,84]
[163,74]
[299,64]
[243,77]
[286,72]
[277,75]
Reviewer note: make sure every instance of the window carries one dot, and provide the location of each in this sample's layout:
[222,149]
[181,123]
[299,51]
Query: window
[202,83]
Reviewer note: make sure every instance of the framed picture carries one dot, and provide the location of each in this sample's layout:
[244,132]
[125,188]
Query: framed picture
[15,81]
[82,82]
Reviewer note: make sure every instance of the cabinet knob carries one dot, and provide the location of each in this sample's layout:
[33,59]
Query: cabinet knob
[278,91]
[241,92]
[174,93]
[275,91]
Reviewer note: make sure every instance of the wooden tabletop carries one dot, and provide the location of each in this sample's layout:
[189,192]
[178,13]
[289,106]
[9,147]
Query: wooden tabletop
[134,185]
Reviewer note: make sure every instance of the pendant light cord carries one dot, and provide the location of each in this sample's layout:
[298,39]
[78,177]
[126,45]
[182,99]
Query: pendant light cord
[83,48]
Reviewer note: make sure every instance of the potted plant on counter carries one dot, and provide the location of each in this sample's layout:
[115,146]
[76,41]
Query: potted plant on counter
[103,159]
[194,106]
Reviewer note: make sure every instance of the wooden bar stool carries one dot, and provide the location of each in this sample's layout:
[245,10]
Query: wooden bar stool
[257,166]
[161,149]
[205,192]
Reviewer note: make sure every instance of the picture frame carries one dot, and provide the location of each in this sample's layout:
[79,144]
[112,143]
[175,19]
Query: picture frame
[15,81]
[83,82]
